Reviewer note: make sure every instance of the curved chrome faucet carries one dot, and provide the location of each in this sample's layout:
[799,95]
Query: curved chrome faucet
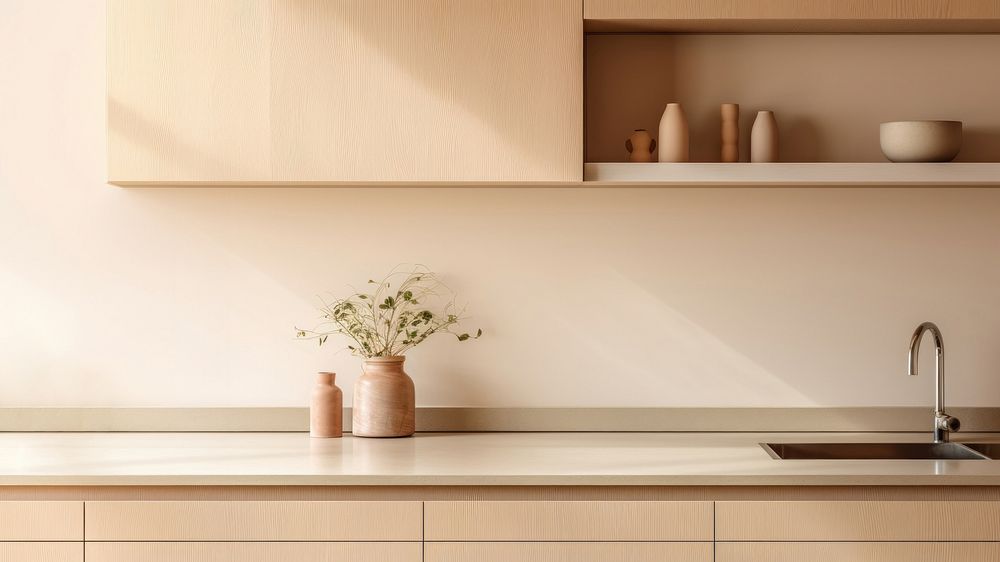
[943,423]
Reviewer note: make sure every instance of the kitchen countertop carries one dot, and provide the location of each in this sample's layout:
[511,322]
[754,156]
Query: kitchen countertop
[461,459]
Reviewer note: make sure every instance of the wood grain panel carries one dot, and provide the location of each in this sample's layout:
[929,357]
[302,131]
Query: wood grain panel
[568,552]
[858,521]
[253,520]
[253,552]
[858,552]
[41,551]
[41,521]
[447,90]
[344,91]
[568,521]
[189,90]
[793,15]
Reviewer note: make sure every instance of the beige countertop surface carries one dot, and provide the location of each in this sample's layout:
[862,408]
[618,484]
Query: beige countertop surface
[461,459]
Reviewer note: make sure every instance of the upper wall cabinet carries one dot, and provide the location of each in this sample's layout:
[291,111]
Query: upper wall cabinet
[870,16]
[344,91]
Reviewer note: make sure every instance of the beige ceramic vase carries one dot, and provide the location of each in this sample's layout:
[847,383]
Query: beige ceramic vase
[640,146]
[764,138]
[384,399]
[730,132]
[673,141]
[326,414]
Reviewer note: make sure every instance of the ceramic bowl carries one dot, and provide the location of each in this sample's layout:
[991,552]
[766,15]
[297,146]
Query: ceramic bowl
[921,141]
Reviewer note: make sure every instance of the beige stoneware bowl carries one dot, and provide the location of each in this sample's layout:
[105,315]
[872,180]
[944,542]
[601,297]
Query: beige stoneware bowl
[921,141]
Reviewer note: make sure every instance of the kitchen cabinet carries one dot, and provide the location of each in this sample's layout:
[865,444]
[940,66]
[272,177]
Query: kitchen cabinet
[41,521]
[858,552]
[344,91]
[568,552]
[568,521]
[41,551]
[253,521]
[858,521]
[253,552]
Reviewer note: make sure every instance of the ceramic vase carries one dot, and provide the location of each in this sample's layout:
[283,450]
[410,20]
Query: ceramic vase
[730,132]
[326,413]
[764,138]
[384,399]
[673,140]
[640,146]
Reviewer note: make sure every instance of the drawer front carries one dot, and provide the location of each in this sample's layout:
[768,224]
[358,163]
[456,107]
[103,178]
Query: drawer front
[253,552]
[568,552]
[568,521]
[253,520]
[41,521]
[41,551]
[859,552]
[858,521]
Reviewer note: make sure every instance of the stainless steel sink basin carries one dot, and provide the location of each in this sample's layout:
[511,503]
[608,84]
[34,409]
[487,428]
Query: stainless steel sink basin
[875,451]
[991,450]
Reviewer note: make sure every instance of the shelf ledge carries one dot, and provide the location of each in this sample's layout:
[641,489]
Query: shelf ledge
[797,174]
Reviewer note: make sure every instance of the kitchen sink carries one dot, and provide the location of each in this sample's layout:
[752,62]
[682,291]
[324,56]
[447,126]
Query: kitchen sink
[881,451]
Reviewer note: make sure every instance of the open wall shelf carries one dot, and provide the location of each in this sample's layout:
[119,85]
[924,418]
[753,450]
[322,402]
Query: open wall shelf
[794,174]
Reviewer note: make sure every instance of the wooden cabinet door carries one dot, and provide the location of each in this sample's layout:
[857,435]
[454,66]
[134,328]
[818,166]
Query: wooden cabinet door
[345,91]
[857,521]
[252,552]
[254,521]
[568,521]
[568,552]
[41,521]
[41,551]
[858,552]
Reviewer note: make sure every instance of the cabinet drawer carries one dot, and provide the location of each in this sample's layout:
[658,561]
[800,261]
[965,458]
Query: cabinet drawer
[252,552]
[41,521]
[253,520]
[568,552]
[858,521]
[859,552]
[41,551]
[568,521]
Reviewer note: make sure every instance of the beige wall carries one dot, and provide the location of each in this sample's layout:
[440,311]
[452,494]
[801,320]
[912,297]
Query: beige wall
[590,297]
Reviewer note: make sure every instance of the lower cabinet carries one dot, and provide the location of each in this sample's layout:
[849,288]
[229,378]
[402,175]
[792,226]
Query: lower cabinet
[567,552]
[41,551]
[251,552]
[858,552]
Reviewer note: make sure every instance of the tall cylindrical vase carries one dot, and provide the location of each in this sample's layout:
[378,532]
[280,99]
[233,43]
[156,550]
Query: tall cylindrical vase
[764,138]
[326,413]
[730,132]
[674,141]
[384,399]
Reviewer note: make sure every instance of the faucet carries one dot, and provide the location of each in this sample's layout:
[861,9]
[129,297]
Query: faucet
[943,423]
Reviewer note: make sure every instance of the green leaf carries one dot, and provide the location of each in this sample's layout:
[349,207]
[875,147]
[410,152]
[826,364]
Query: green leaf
[463,337]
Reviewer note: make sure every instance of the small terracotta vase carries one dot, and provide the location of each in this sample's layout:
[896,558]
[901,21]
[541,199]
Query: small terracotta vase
[640,146]
[674,143]
[326,415]
[730,132]
[384,399]
[764,138]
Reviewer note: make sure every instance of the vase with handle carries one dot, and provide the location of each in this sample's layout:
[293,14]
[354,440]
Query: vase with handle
[640,146]
[764,138]
[384,399]
[674,140]
[326,413]
[730,132]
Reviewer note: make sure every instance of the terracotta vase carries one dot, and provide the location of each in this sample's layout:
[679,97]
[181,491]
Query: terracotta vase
[674,141]
[764,138]
[730,132]
[384,399]
[640,146]
[326,414]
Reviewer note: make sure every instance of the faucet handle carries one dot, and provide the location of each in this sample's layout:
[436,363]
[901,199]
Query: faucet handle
[947,423]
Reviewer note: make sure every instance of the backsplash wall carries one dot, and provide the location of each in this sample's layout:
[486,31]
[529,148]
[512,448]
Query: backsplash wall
[589,297]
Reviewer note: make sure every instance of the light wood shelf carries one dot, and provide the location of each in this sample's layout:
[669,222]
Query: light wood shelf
[794,174]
